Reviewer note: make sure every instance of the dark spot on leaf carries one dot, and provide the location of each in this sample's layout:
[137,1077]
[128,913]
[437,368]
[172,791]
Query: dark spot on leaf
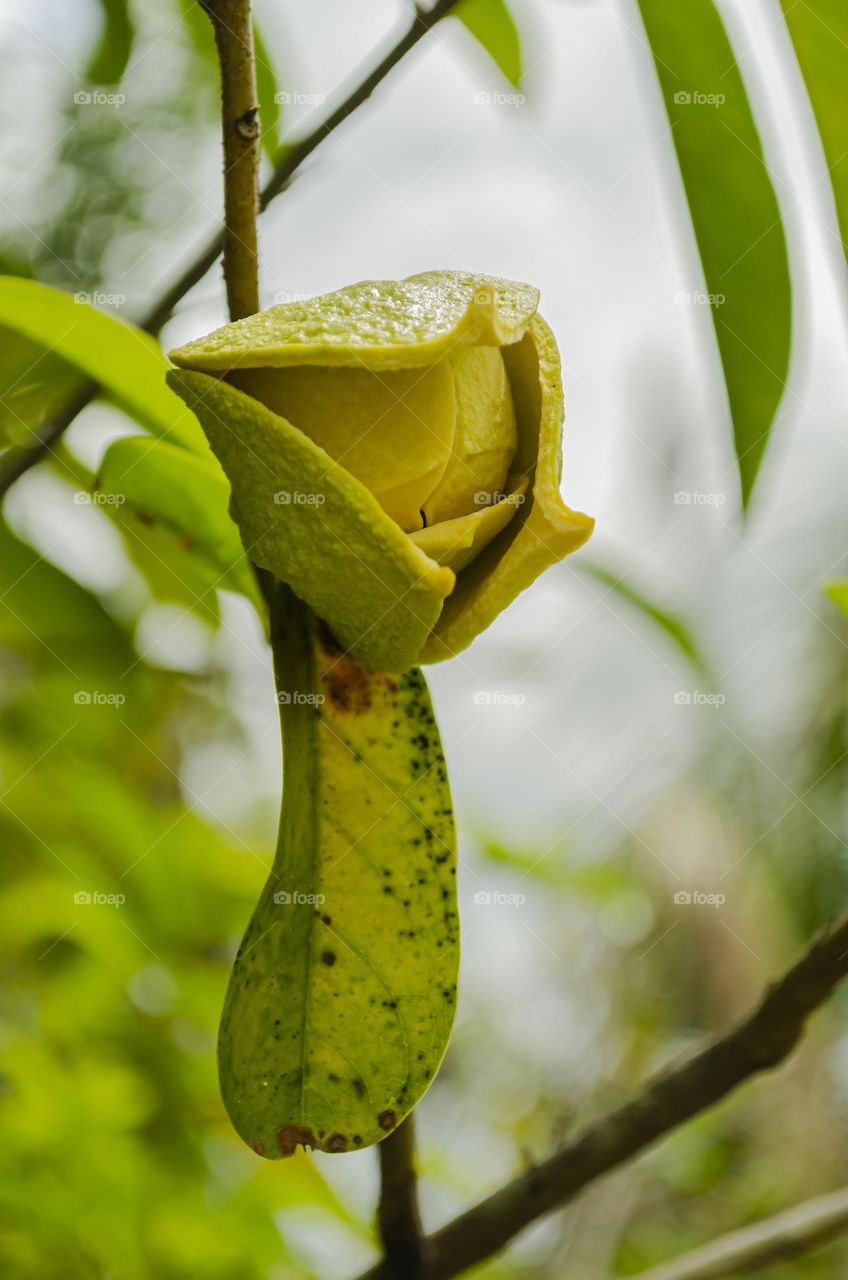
[336,1142]
[290,1136]
[259,1148]
[328,957]
[387,1120]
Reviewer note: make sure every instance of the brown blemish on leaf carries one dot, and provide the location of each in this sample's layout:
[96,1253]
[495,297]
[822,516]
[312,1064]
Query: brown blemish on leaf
[329,957]
[348,685]
[336,1142]
[387,1120]
[290,1136]
[259,1148]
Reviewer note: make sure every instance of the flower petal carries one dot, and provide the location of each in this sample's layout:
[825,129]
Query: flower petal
[485,439]
[311,523]
[546,529]
[456,543]
[378,324]
[392,430]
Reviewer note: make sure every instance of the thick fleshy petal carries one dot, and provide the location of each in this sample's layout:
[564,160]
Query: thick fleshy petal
[311,523]
[545,529]
[455,543]
[485,437]
[392,430]
[378,324]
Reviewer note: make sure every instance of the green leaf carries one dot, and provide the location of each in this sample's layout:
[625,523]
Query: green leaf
[734,211]
[109,60]
[819,33]
[172,507]
[342,996]
[838,592]
[266,91]
[127,362]
[491,23]
[34,385]
[673,626]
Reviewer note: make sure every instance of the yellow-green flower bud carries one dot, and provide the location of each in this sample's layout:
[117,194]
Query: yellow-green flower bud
[394,452]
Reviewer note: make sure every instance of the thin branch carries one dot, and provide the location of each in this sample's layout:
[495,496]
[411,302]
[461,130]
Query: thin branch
[16,463]
[400,1225]
[233,29]
[776,1239]
[759,1043]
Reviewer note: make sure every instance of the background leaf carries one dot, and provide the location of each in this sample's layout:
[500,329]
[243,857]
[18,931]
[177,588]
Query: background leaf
[267,89]
[819,33]
[129,364]
[735,214]
[109,59]
[668,622]
[491,23]
[172,508]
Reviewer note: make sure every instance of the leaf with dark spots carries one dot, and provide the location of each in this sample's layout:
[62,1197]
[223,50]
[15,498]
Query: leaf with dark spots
[341,1000]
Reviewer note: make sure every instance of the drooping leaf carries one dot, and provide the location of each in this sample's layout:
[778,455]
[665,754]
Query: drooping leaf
[343,992]
[838,592]
[492,24]
[819,31]
[734,211]
[109,60]
[127,362]
[267,91]
[34,385]
[668,622]
[172,506]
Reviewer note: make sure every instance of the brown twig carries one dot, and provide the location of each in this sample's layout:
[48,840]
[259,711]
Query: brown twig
[399,1223]
[233,29]
[760,1042]
[776,1239]
[16,463]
